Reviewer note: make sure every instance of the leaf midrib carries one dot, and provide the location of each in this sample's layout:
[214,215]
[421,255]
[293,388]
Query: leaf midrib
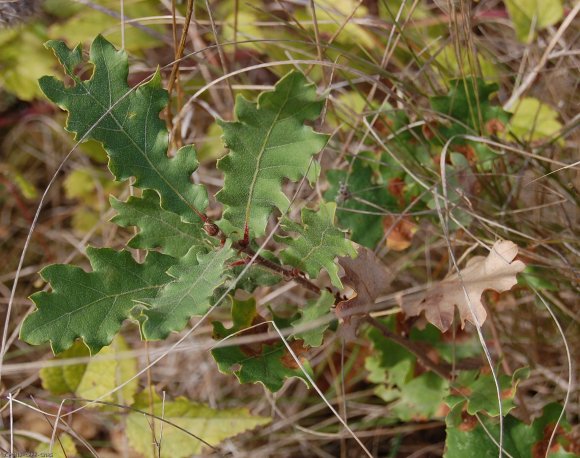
[259,161]
[96,301]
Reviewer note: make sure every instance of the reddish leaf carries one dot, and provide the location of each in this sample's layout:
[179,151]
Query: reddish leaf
[368,277]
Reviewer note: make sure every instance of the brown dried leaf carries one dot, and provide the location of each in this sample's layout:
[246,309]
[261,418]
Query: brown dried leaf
[399,232]
[497,271]
[368,277]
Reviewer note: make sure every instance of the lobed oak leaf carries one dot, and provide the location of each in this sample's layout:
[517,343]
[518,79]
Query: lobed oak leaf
[126,122]
[318,243]
[93,305]
[313,311]
[268,144]
[497,272]
[195,278]
[157,227]
[265,362]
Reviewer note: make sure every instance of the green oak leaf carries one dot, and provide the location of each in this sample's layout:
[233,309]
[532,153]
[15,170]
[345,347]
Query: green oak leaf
[195,277]
[422,398]
[467,437]
[481,394]
[211,425]
[267,367]
[389,363]
[269,364]
[126,121]
[364,204]
[318,243]
[158,228]
[312,312]
[92,305]
[267,144]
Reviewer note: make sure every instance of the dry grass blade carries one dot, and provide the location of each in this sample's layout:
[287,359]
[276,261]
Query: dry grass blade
[427,170]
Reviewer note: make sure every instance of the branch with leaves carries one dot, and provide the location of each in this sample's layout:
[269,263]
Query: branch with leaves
[190,258]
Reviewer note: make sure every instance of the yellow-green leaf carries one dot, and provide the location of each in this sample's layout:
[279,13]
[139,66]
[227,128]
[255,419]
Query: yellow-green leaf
[211,425]
[452,67]
[65,378]
[335,18]
[63,447]
[107,371]
[530,16]
[22,61]
[80,183]
[88,22]
[533,120]
[95,378]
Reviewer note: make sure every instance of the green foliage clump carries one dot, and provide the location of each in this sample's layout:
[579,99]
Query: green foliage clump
[190,261]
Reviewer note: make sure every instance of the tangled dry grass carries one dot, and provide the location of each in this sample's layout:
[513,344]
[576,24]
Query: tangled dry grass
[362,49]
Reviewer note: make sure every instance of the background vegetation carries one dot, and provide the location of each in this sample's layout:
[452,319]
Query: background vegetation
[477,99]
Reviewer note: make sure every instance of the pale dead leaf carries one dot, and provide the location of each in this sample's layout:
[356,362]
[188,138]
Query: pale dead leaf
[497,271]
[368,277]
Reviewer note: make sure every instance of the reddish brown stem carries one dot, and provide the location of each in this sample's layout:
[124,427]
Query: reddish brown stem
[175,69]
[213,230]
[288,274]
[240,262]
[246,241]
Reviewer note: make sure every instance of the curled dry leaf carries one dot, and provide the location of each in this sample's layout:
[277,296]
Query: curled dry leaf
[399,232]
[368,277]
[497,271]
